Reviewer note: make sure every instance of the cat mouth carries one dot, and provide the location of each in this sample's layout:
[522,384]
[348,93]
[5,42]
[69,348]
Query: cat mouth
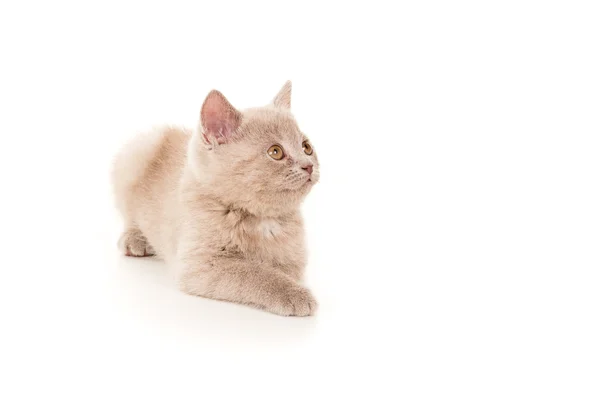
[308,183]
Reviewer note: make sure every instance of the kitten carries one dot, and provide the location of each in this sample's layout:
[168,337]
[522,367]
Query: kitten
[221,204]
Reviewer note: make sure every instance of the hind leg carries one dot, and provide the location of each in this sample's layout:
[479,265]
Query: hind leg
[134,244]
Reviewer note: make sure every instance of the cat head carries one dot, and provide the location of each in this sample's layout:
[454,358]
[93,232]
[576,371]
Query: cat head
[257,159]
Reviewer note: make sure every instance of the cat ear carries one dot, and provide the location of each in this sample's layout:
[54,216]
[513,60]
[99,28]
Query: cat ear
[283,99]
[219,118]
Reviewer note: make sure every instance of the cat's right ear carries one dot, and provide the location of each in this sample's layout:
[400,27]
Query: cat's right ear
[219,118]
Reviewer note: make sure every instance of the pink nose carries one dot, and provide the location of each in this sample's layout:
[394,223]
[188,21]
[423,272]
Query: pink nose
[308,169]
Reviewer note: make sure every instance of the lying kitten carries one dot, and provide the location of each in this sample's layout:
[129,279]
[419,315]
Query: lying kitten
[221,204]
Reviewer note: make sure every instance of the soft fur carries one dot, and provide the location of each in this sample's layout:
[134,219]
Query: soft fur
[218,208]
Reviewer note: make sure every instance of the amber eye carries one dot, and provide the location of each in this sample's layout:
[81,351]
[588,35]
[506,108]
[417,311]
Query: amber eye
[307,148]
[276,152]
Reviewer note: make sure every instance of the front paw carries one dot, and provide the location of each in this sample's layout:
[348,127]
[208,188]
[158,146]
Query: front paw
[294,301]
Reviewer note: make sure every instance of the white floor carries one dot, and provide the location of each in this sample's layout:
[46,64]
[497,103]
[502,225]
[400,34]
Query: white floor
[93,321]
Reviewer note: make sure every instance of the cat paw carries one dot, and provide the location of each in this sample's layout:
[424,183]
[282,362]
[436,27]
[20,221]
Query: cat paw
[297,301]
[136,250]
[134,244]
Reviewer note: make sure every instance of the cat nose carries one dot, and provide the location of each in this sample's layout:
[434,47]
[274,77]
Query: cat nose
[308,169]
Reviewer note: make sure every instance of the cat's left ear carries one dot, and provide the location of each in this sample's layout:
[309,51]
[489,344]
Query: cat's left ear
[283,99]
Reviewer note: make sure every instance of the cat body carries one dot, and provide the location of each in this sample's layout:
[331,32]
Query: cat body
[221,203]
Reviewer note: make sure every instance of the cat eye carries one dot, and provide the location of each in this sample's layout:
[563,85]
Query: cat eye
[276,152]
[307,148]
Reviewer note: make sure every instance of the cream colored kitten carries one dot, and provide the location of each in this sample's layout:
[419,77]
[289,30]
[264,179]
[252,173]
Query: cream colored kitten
[221,204]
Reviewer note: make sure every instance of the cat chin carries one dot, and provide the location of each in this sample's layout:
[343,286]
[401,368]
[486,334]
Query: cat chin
[305,188]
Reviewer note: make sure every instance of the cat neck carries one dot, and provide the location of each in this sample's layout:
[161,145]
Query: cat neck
[198,194]
[208,202]
[245,211]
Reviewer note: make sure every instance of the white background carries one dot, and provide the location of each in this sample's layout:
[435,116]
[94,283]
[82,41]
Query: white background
[454,235]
